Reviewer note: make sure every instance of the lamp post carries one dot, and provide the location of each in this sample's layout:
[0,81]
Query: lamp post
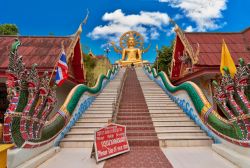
[157,58]
[107,51]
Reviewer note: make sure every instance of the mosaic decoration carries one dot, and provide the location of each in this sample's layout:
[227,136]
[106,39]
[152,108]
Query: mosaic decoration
[235,128]
[32,99]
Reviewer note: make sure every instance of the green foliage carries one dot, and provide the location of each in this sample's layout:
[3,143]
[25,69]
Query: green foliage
[94,67]
[8,29]
[89,62]
[164,58]
[89,65]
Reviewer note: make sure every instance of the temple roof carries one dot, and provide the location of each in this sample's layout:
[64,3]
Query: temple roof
[211,44]
[42,50]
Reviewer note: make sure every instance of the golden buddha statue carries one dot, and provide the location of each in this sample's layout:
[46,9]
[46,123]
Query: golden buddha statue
[132,48]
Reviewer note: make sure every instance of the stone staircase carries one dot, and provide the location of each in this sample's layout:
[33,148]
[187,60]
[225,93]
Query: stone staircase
[172,125]
[95,117]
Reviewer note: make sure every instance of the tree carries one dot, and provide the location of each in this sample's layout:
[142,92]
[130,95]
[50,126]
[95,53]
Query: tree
[89,65]
[164,58]
[8,29]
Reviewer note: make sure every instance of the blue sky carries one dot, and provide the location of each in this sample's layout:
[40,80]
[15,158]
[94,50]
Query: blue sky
[109,18]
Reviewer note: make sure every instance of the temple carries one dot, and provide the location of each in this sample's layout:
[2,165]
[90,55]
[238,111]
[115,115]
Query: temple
[45,52]
[197,56]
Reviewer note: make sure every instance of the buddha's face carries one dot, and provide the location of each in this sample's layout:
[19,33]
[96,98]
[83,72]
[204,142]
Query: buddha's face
[131,42]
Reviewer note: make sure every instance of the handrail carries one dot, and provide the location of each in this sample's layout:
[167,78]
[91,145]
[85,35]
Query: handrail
[116,103]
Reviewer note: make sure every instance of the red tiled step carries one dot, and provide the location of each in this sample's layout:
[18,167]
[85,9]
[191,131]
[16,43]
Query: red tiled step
[133,114]
[141,133]
[133,118]
[140,127]
[135,122]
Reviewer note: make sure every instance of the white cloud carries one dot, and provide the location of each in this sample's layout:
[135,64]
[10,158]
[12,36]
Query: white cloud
[178,16]
[170,31]
[147,23]
[205,13]
[154,34]
[189,29]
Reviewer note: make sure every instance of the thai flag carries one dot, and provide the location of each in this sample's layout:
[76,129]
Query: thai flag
[62,70]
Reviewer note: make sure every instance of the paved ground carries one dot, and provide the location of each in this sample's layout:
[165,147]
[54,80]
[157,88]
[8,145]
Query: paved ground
[196,157]
[180,157]
[72,158]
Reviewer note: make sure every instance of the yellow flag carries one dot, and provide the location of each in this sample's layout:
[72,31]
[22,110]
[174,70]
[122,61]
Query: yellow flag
[226,60]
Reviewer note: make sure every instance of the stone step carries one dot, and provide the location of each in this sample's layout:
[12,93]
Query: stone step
[79,123]
[76,144]
[156,92]
[102,103]
[81,132]
[170,104]
[172,119]
[157,98]
[93,120]
[83,127]
[167,124]
[153,101]
[149,95]
[105,98]
[84,130]
[185,141]
[166,111]
[172,133]
[164,108]
[96,115]
[107,105]
[167,115]
[98,112]
[195,127]
[84,137]
[113,92]
[177,131]
[100,109]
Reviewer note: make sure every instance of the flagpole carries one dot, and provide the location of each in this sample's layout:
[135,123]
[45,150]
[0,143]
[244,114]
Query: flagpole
[54,69]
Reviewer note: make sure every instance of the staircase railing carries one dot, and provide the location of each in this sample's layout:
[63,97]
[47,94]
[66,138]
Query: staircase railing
[116,103]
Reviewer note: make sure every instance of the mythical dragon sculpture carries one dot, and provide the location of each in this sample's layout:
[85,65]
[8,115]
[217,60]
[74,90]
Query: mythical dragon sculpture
[232,96]
[29,121]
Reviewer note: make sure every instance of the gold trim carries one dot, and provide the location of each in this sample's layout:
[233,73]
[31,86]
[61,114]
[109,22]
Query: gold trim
[193,55]
[204,110]
[173,54]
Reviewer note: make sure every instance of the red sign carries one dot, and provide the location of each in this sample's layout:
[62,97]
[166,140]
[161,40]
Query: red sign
[110,141]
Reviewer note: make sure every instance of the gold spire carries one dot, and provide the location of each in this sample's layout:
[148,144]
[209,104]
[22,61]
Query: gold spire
[79,30]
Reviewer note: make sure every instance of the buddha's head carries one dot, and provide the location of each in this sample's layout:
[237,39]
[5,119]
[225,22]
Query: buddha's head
[131,41]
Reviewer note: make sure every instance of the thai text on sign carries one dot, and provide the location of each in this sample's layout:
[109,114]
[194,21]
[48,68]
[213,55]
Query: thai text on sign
[110,141]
